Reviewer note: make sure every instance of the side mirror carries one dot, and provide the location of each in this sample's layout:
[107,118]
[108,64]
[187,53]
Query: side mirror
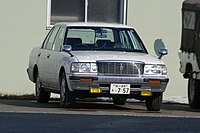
[159,48]
[162,52]
[67,48]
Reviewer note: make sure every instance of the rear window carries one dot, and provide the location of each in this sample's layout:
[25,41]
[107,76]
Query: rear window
[90,36]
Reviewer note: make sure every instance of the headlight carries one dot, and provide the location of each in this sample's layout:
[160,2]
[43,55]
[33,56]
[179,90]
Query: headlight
[84,67]
[155,69]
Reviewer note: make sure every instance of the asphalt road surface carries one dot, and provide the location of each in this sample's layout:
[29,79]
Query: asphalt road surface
[26,116]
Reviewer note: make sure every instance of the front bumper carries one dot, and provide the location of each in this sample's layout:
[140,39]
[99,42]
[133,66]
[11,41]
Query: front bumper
[137,84]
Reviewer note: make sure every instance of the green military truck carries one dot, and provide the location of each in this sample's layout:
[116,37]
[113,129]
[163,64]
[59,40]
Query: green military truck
[189,54]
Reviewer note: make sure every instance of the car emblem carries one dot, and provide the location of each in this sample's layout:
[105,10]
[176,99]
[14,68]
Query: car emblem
[121,67]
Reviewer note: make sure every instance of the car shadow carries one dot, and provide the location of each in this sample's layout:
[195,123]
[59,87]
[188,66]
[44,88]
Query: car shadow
[178,107]
[79,105]
[29,103]
[92,105]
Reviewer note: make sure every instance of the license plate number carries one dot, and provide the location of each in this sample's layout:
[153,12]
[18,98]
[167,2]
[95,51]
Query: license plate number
[120,89]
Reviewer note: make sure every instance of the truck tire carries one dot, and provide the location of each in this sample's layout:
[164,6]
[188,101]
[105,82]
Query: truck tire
[194,92]
[42,96]
[67,98]
[117,100]
[154,103]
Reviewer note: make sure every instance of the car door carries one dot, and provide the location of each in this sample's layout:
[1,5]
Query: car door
[54,59]
[44,55]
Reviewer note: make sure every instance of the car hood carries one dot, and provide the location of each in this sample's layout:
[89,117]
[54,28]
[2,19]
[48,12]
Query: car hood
[93,56]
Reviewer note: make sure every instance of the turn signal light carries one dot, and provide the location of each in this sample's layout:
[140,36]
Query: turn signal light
[86,80]
[154,82]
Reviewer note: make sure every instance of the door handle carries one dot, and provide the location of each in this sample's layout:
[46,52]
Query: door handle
[39,54]
[48,55]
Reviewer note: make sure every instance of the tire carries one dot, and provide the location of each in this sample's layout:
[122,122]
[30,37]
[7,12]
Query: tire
[42,96]
[117,100]
[194,92]
[154,103]
[67,98]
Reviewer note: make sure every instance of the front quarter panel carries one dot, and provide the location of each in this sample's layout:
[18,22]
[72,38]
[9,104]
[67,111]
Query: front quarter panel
[65,61]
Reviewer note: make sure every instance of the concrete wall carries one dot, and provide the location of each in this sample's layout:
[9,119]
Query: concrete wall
[160,21]
[22,27]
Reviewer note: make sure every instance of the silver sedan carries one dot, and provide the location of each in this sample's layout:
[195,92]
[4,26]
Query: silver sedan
[80,60]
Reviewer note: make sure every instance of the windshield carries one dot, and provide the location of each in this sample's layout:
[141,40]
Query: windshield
[99,38]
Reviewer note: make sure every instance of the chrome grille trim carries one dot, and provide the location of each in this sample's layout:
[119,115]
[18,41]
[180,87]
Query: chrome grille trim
[128,68]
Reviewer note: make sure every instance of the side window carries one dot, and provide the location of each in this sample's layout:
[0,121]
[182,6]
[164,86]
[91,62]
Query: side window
[59,40]
[189,20]
[51,39]
[47,38]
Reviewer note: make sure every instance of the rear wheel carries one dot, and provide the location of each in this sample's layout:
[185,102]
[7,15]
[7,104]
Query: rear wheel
[117,100]
[154,103]
[194,92]
[67,98]
[42,96]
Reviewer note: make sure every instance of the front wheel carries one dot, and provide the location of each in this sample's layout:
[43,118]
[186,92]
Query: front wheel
[67,98]
[42,96]
[154,103]
[194,92]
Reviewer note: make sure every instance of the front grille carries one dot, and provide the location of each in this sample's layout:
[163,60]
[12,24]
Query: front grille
[120,68]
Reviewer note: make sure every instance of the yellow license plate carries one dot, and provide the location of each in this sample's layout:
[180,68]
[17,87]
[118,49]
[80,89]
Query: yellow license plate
[146,93]
[95,90]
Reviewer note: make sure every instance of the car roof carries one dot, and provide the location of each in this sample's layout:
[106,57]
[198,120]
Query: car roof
[92,24]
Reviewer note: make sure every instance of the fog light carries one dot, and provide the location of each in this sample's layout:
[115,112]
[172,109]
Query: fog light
[95,90]
[146,93]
